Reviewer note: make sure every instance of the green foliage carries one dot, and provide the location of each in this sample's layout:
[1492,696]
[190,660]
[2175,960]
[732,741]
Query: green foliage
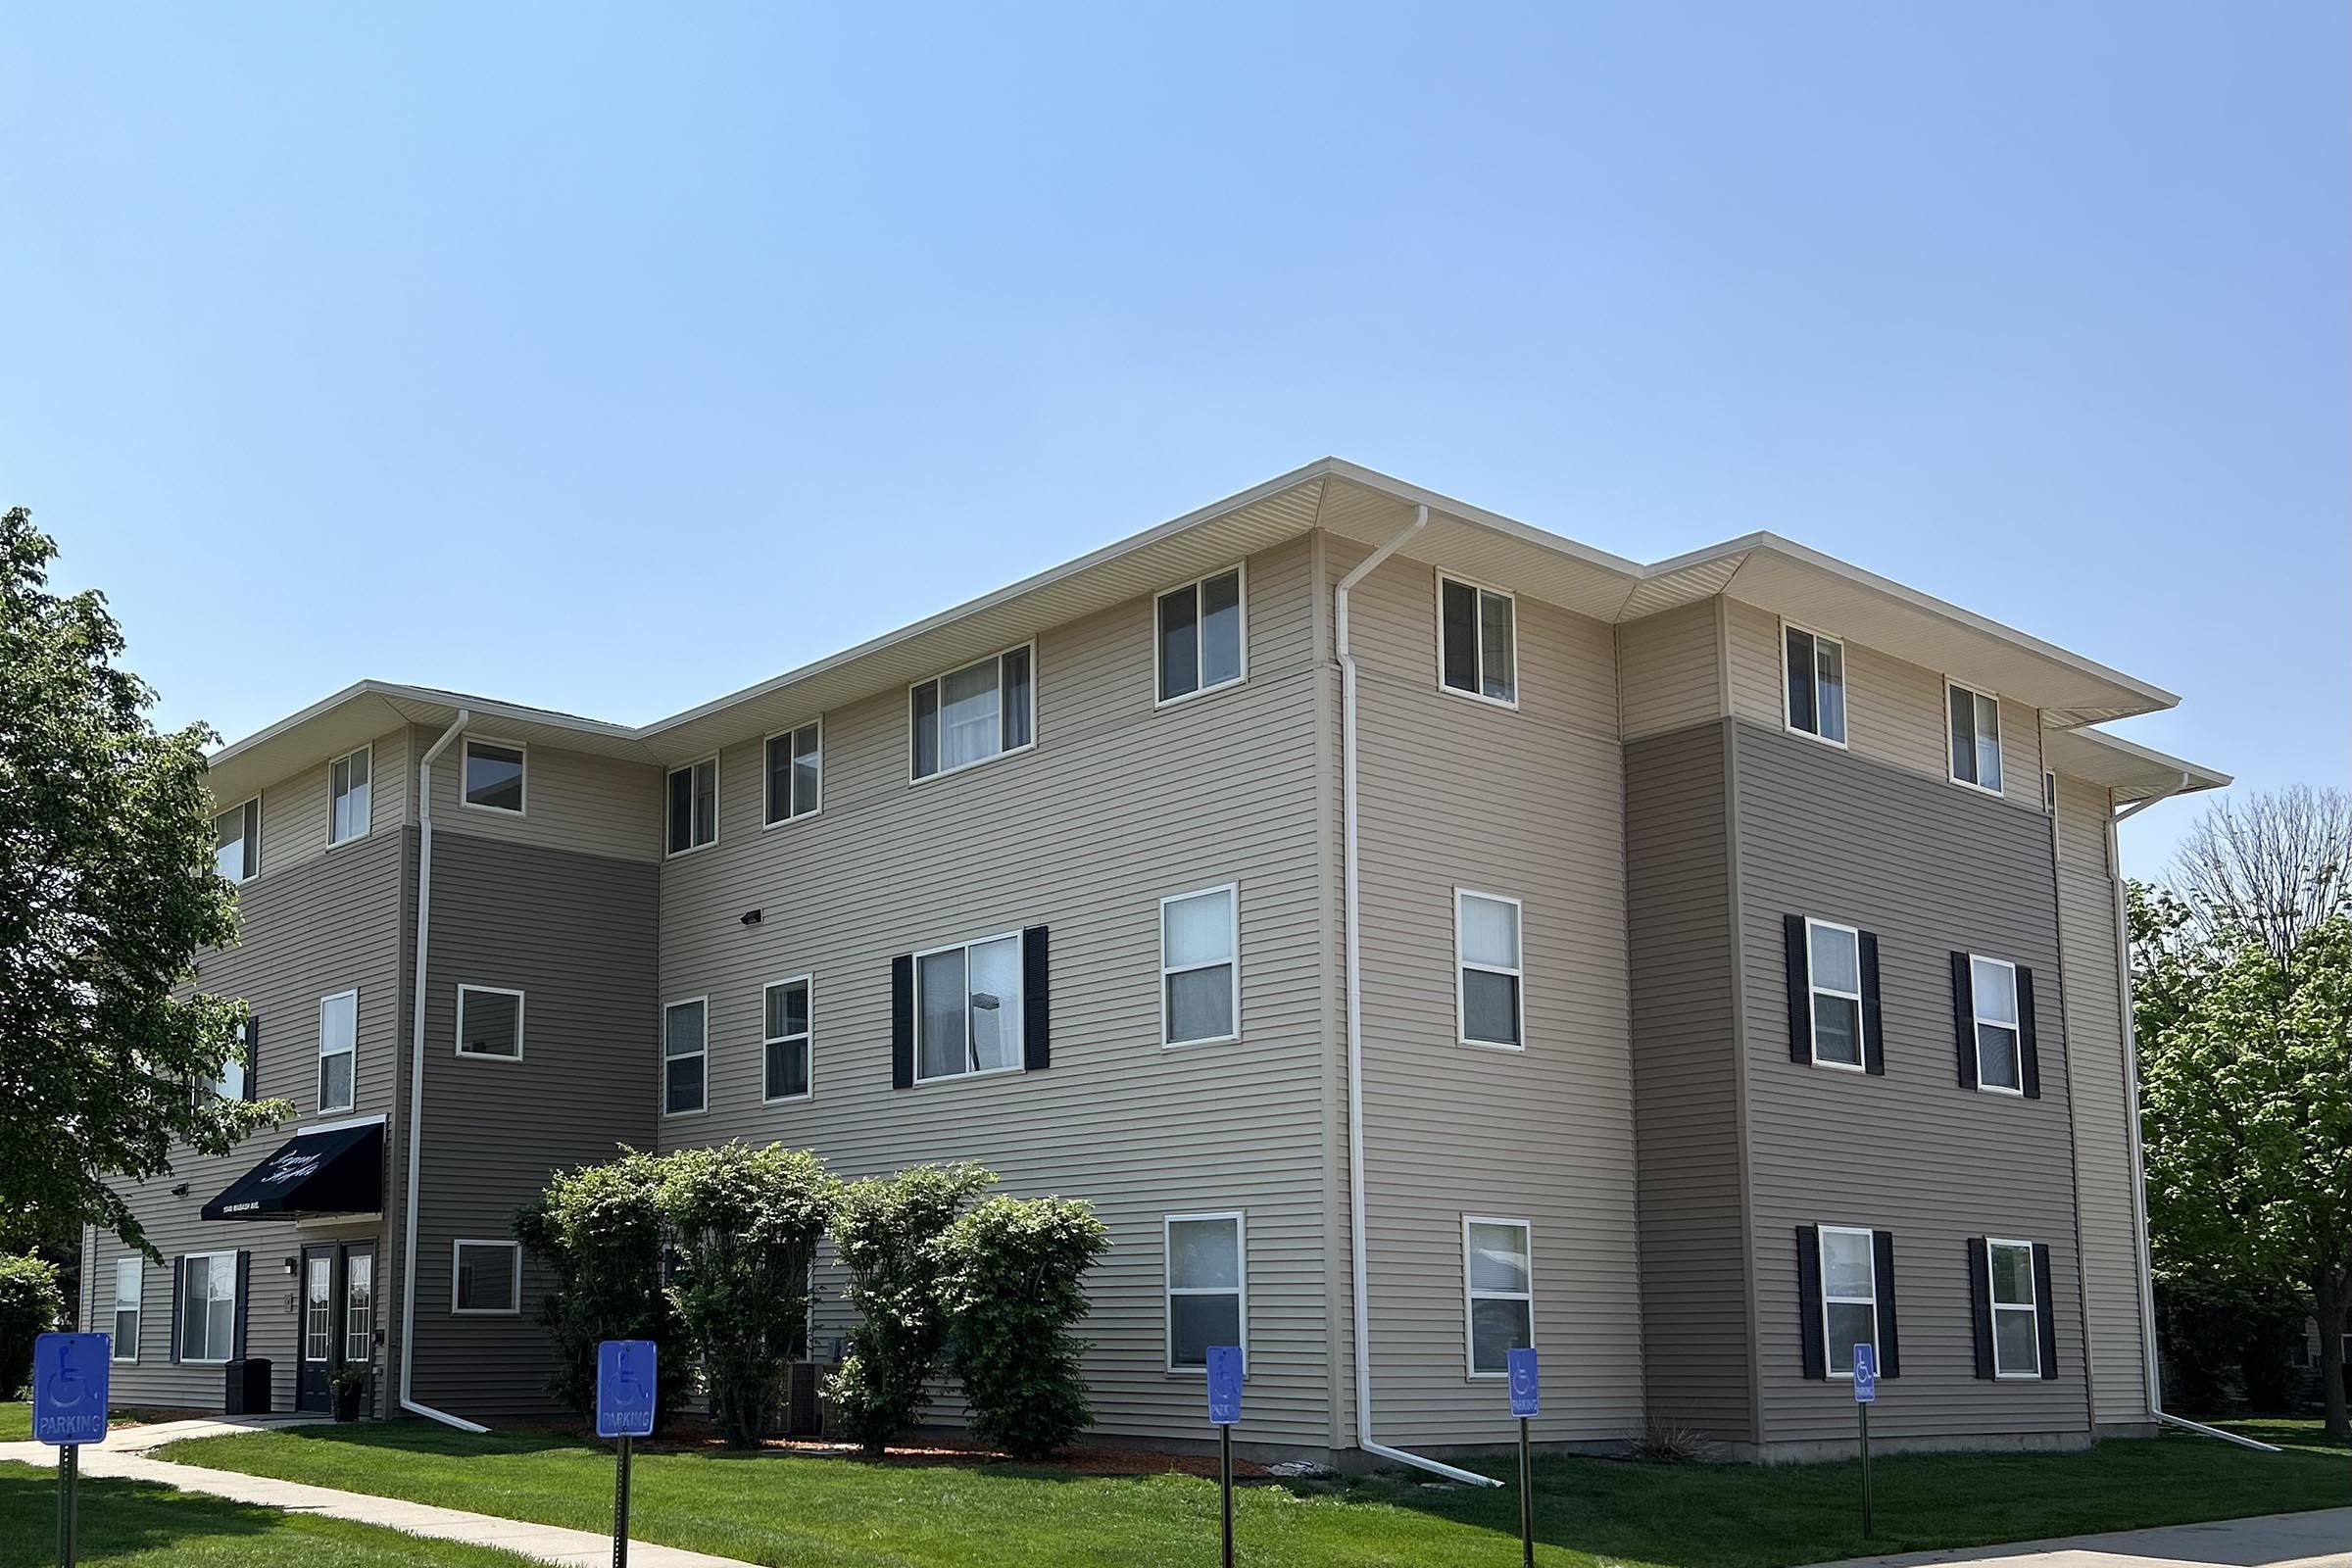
[598,1229]
[744,1224]
[30,1299]
[107,893]
[884,1228]
[1010,1280]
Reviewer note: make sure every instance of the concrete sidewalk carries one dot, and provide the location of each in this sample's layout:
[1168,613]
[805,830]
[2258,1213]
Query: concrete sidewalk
[124,1456]
[2321,1538]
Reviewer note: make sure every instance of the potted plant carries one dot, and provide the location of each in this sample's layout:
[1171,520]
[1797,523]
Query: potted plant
[349,1382]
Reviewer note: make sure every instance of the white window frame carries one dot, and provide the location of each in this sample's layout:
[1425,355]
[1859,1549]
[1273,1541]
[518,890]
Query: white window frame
[1021,1061]
[767,767]
[1821,1264]
[522,785]
[1977,1021]
[1477,636]
[1462,996]
[240,1066]
[1239,571]
[943,770]
[1473,1295]
[250,844]
[135,1305]
[325,1330]
[669,777]
[704,1054]
[367,1343]
[1169,1291]
[1813,1018]
[457,1250]
[1233,942]
[457,1046]
[324,1054]
[1995,1306]
[1951,755]
[368,751]
[806,981]
[1846,685]
[181,1309]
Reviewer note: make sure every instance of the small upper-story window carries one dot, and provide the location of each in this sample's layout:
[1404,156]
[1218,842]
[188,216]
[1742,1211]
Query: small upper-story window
[1200,636]
[494,776]
[794,760]
[1976,738]
[693,805]
[685,1056]
[784,1038]
[1816,670]
[338,1048]
[1477,646]
[237,841]
[968,1009]
[1992,986]
[1486,934]
[490,1022]
[347,795]
[1200,972]
[971,714]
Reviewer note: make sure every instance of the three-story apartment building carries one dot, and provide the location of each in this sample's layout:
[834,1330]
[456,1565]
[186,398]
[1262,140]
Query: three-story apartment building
[1418,934]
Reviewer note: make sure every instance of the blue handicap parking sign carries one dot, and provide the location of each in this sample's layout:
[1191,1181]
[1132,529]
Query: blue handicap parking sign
[69,1387]
[1866,1374]
[625,1389]
[1224,1385]
[1527,1384]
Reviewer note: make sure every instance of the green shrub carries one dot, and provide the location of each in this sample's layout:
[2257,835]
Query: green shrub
[598,1229]
[30,1300]
[885,1230]
[1010,1273]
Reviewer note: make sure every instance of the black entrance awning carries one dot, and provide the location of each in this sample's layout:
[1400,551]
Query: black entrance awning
[338,1171]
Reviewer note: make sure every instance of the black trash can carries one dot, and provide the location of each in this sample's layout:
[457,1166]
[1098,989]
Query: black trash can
[248,1392]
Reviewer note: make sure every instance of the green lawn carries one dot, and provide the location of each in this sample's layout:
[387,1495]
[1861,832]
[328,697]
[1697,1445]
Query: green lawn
[833,1513]
[130,1524]
[16,1419]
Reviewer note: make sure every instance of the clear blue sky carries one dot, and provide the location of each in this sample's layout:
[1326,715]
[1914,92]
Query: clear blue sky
[613,359]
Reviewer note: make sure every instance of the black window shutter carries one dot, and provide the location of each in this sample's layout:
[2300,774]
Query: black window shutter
[1800,994]
[2045,1311]
[2029,1055]
[1964,1019]
[1874,1048]
[1979,1302]
[244,1300]
[1036,1002]
[1882,1268]
[177,1265]
[1808,1302]
[902,1021]
[253,1055]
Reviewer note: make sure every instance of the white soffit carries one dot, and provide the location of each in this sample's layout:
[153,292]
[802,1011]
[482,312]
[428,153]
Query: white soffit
[2132,772]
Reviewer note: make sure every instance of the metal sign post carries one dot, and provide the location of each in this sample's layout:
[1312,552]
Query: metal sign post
[1224,1410]
[1527,1401]
[68,1409]
[1866,1393]
[625,1389]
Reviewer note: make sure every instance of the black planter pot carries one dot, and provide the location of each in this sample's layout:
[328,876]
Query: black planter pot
[347,1402]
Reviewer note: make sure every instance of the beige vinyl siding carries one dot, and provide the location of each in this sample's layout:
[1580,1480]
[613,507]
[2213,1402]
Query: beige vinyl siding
[1670,671]
[571,800]
[295,812]
[1528,804]
[1118,806]
[2103,1171]
[1752,648]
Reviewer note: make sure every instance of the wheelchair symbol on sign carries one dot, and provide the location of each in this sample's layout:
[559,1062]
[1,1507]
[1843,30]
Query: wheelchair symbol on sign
[66,1388]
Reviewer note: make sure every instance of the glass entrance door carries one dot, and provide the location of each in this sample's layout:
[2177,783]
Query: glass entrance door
[317,1349]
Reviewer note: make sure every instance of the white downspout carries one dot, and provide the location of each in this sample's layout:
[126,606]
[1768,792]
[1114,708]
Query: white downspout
[1355,1038]
[2139,1166]
[425,928]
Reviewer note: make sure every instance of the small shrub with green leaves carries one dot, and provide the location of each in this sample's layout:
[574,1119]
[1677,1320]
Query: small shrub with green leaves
[1011,1277]
[597,1230]
[30,1300]
[885,1229]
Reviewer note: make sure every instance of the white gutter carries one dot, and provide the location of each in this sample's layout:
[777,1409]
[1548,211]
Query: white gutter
[2139,1166]
[424,929]
[1355,1033]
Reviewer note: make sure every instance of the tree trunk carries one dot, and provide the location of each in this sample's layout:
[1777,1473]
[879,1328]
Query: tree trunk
[2332,1301]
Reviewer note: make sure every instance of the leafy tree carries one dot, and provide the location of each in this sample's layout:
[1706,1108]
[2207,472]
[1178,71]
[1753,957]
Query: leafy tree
[884,1228]
[1010,1279]
[107,893]
[597,1230]
[30,1299]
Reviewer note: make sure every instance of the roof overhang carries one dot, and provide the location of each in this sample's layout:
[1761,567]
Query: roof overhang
[2129,770]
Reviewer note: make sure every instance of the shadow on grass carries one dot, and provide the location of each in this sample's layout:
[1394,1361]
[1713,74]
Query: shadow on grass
[116,1518]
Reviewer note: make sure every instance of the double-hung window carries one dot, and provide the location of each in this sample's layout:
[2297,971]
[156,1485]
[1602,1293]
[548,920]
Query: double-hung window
[795,764]
[237,841]
[1976,738]
[207,1306]
[232,1082]
[1849,1294]
[784,1038]
[974,714]
[1815,666]
[2016,1310]
[1207,1289]
[1834,954]
[338,1048]
[1200,636]
[348,795]
[693,805]
[1499,1293]
[490,1022]
[1477,641]
[1199,967]
[1487,1003]
[485,1278]
[130,1273]
[1992,988]
[494,776]
[685,1055]
[968,1014]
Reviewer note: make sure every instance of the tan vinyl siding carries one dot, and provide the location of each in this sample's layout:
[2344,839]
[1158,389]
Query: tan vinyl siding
[1670,671]
[571,800]
[1753,643]
[1528,804]
[295,811]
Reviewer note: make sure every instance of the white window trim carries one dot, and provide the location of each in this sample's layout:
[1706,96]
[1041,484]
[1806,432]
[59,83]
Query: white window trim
[1472,1295]
[669,775]
[1951,759]
[522,749]
[1029,745]
[1478,635]
[252,841]
[457,1046]
[1812,1019]
[456,1250]
[704,1054]
[1977,1023]
[1168,1290]
[766,768]
[343,1331]
[1241,571]
[137,1305]
[319,1084]
[179,1310]
[1233,913]
[1995,1306]
[1021,1057]
[1461,1000]
[367,750]
[1789,719]
[766,1040]
[1821,1263]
